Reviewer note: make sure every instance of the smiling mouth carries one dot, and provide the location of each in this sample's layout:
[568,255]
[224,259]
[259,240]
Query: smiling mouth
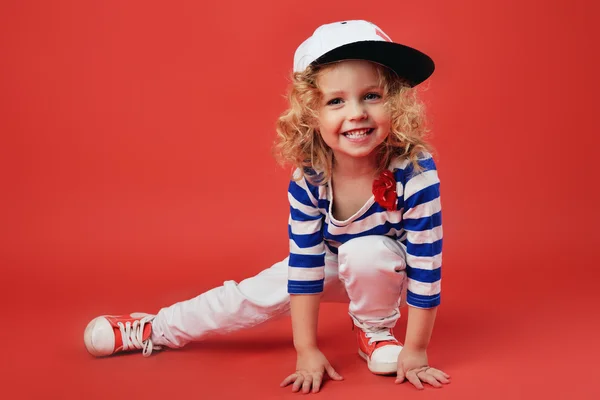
[358,133]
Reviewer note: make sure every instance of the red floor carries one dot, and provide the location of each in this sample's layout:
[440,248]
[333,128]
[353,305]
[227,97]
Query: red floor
[503,341]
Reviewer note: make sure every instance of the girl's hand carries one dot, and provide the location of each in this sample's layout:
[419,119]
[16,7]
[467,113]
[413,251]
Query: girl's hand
[413,366]
[309,371]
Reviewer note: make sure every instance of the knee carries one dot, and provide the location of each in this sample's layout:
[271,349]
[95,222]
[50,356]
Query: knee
[370,255]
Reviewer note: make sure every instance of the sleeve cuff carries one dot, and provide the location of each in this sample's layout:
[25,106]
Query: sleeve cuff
[421,301]
[305,287]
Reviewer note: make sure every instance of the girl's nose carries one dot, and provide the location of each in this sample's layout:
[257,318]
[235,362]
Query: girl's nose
[357,112]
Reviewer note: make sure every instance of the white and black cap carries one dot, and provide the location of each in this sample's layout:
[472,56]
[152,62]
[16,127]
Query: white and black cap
[362,40]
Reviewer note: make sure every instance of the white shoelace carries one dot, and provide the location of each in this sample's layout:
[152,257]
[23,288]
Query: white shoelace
[133,334]
[380,336]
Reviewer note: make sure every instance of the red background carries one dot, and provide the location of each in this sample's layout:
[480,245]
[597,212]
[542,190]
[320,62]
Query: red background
[129,128]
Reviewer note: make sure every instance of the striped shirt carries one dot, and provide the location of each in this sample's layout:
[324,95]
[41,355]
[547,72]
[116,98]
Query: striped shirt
[416,224]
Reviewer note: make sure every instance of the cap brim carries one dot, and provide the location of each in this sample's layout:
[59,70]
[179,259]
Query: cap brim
[406,62]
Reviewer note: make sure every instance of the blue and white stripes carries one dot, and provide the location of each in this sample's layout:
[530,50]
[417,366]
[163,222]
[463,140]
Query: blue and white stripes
[416,223]
[307,249]
[422,236]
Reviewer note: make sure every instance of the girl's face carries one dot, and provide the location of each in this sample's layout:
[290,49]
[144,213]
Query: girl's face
[353,119]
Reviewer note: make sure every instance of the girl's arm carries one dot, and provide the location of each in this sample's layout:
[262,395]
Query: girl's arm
[419,328]
[413,364]
[311,364]
[305,315]
[306,276]
[423,224]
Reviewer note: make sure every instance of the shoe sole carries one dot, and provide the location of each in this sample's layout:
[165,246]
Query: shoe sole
[379,368]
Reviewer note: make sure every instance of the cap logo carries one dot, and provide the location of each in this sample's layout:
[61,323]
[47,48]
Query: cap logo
[382,35]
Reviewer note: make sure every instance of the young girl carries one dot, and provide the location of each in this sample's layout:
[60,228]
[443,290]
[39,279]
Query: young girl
[364,226]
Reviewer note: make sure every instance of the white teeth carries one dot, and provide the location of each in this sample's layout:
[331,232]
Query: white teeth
[358,133]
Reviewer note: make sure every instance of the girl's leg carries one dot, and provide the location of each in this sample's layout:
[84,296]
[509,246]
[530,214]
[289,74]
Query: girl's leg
[220,310]
[373,271]
[224,309]
[236,306]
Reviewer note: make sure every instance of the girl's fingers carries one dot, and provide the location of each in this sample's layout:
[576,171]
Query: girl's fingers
[400,376]
[318,379]
[307,384]
[439,372]
[298,383]
[411,376]
[439,375]
[333,374]
[425,376]
[309,381]
[288,380]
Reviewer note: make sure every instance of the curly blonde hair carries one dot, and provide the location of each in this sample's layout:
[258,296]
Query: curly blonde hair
[299,144]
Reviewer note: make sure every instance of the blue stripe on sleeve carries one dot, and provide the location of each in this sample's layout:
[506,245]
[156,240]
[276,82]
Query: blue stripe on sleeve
[305,287]
[306,260]
[423,224]
[422,196]
[427,164]
[424,275]
[314,190]
[300,194]
[424,249]
[298,215]
[304,241]
[421,301]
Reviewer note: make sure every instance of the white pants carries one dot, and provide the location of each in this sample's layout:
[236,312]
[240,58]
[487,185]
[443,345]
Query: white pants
[368,272]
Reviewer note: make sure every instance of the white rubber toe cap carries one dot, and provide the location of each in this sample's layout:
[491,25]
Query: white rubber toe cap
[99,337]
[384,360]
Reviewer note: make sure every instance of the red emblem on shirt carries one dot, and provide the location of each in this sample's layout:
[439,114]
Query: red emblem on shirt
[384,190]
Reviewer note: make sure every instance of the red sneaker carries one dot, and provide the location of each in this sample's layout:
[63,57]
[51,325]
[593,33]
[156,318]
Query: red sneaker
[380,349]
[110,334]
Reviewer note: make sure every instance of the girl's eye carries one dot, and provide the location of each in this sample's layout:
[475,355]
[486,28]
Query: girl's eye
[372,96]
[334,102]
